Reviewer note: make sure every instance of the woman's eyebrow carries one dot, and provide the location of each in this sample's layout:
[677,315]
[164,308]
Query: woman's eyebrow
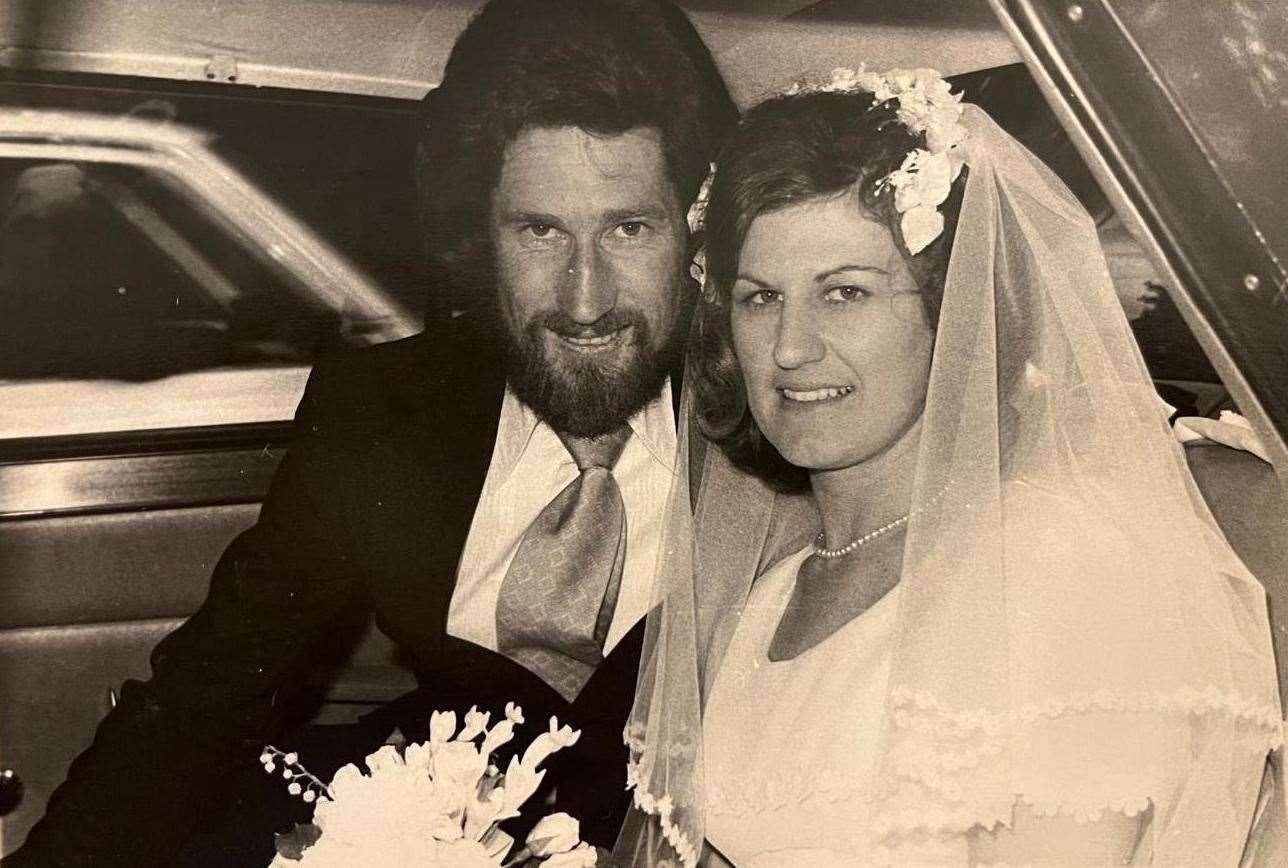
[832,272]
[750,279]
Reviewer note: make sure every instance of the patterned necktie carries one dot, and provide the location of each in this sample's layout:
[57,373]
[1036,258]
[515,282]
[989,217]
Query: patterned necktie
[558,597]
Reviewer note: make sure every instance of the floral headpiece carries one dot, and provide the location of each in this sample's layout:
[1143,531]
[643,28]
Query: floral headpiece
[923,181]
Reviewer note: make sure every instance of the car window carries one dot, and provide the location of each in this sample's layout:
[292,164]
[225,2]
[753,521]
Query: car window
[343,165]
[1182,373]
[118,292]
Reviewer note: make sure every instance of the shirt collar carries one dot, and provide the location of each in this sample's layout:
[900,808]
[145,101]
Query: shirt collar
[653,426]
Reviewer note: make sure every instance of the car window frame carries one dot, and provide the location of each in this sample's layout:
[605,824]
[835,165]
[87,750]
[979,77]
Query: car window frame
[78,474]
[1121,120]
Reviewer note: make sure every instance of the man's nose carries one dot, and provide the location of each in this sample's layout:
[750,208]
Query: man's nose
[587,291]
[798,341]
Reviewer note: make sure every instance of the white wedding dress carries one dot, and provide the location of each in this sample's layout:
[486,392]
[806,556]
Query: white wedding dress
[791,745]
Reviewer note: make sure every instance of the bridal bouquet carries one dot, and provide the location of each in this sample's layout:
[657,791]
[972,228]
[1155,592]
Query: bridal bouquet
[437,803]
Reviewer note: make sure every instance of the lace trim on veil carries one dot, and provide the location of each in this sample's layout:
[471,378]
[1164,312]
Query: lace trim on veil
[659,807]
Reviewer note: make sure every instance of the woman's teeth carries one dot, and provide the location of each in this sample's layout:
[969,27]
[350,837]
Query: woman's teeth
[817,394]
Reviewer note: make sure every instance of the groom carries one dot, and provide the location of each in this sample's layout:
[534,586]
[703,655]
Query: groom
[491,489]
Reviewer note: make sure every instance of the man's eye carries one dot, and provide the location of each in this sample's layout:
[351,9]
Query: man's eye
[539,230]
[631,229]
[846,293]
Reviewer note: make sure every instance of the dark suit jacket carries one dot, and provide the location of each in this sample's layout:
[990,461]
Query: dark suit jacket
[370,508]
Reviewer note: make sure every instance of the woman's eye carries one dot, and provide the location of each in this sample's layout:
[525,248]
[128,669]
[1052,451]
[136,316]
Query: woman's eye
[760,298]
[846,293]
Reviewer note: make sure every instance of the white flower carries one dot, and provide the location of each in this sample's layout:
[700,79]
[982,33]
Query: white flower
[483,809]
[903,79]
[907,195]
[442,725]
[943,130]
[582,856]
[497,844]
[884,91]
[555,833]
[291,758]
[418,757]
[386,757]
[456,768]
[438,802]
[465,854]
[920,226]
[520,783]
[548,742]
[937,89]
[395,801]
[698,267]
[497,736]
[934,178]
[475,722]
[697,215]
[843,79]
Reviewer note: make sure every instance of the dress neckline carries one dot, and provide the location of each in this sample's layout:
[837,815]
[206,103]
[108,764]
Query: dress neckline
[774,587]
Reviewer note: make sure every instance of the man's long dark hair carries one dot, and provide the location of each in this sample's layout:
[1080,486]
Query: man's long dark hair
[605,66]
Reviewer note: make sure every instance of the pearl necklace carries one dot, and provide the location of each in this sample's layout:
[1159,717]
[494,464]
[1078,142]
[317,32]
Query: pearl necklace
[829,554]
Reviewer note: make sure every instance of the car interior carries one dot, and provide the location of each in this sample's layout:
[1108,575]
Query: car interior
[109,532]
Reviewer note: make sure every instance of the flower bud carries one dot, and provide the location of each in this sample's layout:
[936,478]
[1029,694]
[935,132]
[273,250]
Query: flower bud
[556,833]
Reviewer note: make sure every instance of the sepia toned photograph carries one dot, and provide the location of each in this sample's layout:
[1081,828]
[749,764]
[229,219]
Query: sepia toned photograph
[659,433]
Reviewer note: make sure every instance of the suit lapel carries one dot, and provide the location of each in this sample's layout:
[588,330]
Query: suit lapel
[427,472]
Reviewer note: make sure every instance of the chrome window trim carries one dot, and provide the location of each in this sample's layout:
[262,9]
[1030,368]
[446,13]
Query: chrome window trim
[248,436]
[123,483]
[182,155]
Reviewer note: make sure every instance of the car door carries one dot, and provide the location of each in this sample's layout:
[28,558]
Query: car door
[158,318]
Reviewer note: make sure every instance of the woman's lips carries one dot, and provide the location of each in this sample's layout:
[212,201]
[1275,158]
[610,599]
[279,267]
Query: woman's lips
[806,396]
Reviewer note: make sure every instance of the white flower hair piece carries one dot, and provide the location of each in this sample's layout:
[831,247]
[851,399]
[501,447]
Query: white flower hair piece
[926,105]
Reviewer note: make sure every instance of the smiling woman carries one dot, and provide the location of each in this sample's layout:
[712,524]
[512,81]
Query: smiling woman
[812,236]
[1017,634]
[830,333]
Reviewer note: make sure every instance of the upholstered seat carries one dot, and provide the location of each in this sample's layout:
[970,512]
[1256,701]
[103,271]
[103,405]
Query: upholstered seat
[1249,503]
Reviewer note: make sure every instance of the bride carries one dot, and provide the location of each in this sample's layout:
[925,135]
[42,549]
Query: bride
[949,595]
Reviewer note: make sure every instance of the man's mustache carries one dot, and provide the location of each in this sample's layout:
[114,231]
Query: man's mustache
[565,326]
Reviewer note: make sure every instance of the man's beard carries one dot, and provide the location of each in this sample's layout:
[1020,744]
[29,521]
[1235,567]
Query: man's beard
[587,396]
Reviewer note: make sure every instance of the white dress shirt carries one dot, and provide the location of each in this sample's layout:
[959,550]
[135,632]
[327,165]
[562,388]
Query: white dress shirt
[529,467]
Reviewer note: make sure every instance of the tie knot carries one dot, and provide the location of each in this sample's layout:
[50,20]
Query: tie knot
[601,451]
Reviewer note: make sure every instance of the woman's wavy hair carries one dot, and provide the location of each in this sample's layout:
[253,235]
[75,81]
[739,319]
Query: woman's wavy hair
[789,150]
[605,66]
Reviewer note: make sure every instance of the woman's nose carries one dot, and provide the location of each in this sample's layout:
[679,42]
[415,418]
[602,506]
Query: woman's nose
[798,342]
[587,291]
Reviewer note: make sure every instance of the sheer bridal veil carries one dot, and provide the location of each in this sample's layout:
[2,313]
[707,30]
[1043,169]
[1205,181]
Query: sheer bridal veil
[1073,631]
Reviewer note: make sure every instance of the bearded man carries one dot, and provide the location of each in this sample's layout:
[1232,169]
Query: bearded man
[491,489]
